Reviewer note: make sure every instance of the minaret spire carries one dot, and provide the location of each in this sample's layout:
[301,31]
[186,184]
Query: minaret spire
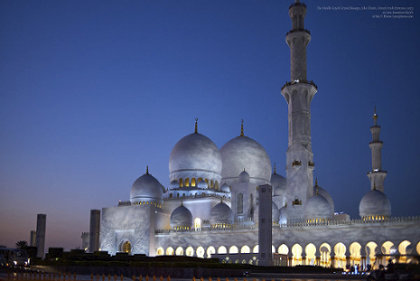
[298,94]
[376,175]
[375,116]
[196,125]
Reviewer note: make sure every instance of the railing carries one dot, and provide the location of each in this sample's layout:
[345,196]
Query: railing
[49,276]
[201,195]
[206,229]
[352,222]
[297,224]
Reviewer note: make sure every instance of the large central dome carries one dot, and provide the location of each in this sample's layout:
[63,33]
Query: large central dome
[196,157]
[245,153]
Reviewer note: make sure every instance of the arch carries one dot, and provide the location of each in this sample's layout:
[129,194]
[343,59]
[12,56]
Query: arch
[297,254]
[210,251]
[387,247]
[125,247]
[233,250]
[340,255]
[179,251]
[193,182]
[189,251]
[370,249]
[403,246]
[181,183]
[159,251]
[310,251]
[273,249]
[355,255]
[418,248]
[325,254]
[245,249]
[200,252]
[402,249]
[222,250]
[256,249]
[187,182]
[216,185]
[169,251]
[283,249]
[197,224]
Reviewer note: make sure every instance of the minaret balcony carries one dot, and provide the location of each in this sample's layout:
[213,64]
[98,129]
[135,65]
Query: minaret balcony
[377,171]
[297,4]
[298,30]
[299,82]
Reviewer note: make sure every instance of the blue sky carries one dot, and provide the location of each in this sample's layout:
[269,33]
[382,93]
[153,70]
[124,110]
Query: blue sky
[92,92]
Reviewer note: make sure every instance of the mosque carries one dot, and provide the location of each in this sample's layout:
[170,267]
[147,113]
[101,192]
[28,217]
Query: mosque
[210,208]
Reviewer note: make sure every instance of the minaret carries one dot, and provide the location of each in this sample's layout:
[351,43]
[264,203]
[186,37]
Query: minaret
[377,175]
[298,94]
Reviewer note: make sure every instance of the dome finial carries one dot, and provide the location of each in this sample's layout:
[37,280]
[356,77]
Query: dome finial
[242,127]
[316,181]
[196,125]
[147,169]
[375,116]
[274,169]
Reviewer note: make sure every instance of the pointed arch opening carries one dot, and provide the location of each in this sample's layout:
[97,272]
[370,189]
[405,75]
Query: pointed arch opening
[297,255]
[340,255]
[310,251]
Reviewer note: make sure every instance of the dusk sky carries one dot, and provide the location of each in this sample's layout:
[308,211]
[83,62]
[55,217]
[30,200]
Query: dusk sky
[93,91]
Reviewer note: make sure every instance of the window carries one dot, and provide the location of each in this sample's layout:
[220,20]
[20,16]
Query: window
[197,224]
[240,203]
[126,247]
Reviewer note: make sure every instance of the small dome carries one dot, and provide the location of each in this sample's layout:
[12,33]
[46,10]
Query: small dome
[146,189]
[243,152]
[202,185]
[324,193]
[195,156]
[275,213]
[225,188]
[317,207]
[278,183]
[244,176]
[283,215]
[375,203]
[221,214]
[174,184]
[181,218]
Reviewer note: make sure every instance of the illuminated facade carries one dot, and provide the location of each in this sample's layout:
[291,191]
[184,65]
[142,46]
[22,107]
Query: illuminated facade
[211,205]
